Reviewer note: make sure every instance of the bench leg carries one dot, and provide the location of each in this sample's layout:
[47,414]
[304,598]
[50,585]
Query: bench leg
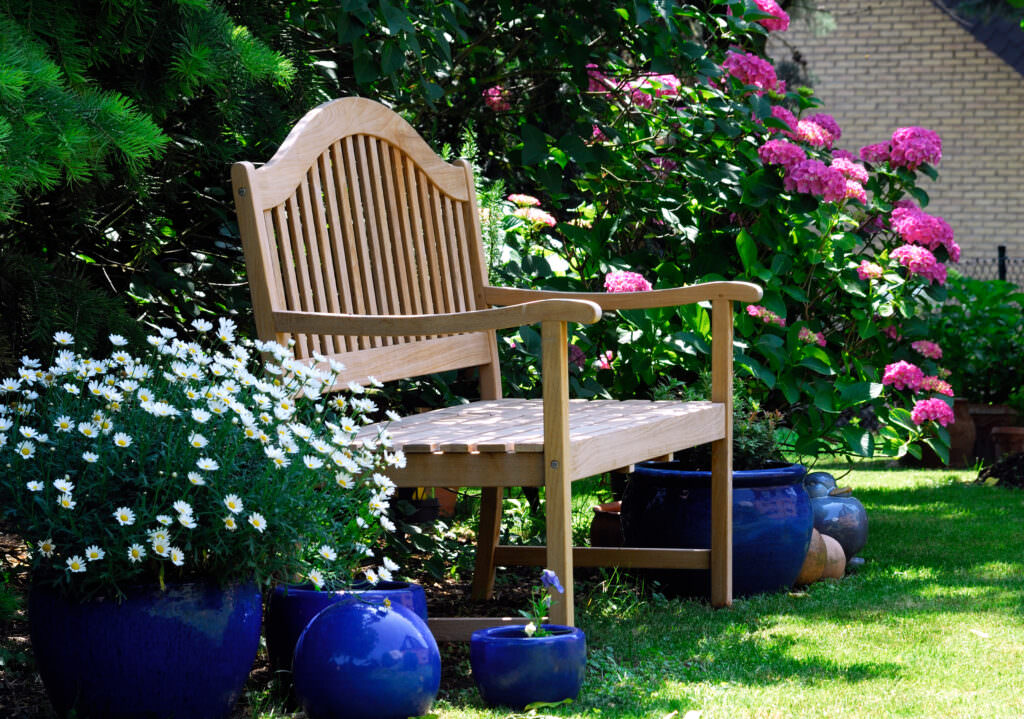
[486,540]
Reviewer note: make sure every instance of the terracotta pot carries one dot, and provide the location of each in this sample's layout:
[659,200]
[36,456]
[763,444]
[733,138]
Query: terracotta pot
[814,564]
[962,435]
[606,526]
[1007,440]
[986,417]
[835,562]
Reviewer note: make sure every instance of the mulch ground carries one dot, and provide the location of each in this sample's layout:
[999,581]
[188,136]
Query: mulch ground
[1008,471]
[22,695]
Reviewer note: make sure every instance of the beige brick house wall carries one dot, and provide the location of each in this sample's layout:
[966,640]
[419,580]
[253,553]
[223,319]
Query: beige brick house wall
[906,62]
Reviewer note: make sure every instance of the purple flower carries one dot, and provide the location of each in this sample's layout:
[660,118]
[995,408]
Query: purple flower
[549,580]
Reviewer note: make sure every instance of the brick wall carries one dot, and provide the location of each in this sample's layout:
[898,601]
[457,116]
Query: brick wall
[906,62]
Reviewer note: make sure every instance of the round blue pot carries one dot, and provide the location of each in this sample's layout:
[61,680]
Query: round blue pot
[360,660]
[183,652]
[514,670]
[844,519]
[665,506]
[290,609]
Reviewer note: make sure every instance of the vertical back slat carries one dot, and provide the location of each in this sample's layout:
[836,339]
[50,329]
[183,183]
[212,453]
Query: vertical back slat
[466,250]
[354,160]
[325,251]
[339,161]
[442,267]
[454,259]
[430,264]
[422,274]
[284,252]
[335,236]
[405,252]
[304,343]
[308,195]
[387,279]
[402,240]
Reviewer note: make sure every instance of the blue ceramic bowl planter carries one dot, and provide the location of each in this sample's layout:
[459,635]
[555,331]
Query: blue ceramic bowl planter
[184,652]
[514,670]
[666,506]
[361,659]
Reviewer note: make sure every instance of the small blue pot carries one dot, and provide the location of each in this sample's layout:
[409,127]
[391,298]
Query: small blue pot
[664,506]
[358,660]
[514,670]
[291,608]
[185,652]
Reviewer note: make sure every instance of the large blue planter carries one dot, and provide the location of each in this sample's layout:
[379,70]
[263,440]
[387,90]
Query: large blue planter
[291,608]
[360,660]
[665,506]
[514,670]
[185,652]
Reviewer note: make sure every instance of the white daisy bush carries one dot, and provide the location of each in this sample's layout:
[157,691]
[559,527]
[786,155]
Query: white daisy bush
[211,458]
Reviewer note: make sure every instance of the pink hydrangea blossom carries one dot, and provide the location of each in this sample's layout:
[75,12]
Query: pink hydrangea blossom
[855,191]
[813,134]
[623,281]
[751,70]
[814,177]
[838,154]
[523,200]
[878,152]
[781,113]
[920,261]
[604,361]
[891,332]
[806,335]
[939,386]
[914,146]
[496,98]
[935,409]
[917,227]
[927,348]
[535,216]
[868,270]
[765,315]
[780,18]
[597,81]
[598,134]
[903,375]
[850,170]
[828,123]
[781,152]
[658,85]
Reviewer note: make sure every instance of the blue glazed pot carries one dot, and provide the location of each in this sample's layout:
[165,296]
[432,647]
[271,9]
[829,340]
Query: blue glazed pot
[291,608]
[514,670]
[358,660]
[664,506]
[185,652]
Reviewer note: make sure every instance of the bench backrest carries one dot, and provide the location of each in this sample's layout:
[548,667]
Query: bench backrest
[356,214]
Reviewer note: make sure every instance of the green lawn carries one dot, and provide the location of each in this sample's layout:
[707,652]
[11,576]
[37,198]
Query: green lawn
[931,626]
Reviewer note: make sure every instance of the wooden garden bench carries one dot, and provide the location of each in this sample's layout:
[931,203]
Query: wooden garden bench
[364,246]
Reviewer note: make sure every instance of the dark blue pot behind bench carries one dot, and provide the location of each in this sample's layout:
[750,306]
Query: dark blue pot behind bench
[665,506]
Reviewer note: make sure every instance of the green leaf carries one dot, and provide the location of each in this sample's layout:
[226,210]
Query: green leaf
[859,392]
[392,58]
[748,252]
[858,440]
[901,417]
[535,145]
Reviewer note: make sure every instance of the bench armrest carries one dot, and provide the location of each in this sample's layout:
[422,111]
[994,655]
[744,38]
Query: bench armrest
[735,291]
[540,310]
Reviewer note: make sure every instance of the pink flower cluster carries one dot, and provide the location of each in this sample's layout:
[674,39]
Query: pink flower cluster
[814,177]
[917,227]
[849,169]
[868,270]
[856,191]
[662,167]
[909,147]
[818,130]
[781,152]
[920,261]
[597,80]
[934,384]
[914,146]
[644,87]
[535,216]
[903,375]
[936,409]
[780,18]
[781,113]
[805,335]
[604,361]
[765,315]
[496,98]
[623,281]
[523,200]
[751,70]
[927,348]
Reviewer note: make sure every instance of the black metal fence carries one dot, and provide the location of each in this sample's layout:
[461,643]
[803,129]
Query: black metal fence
[999,267]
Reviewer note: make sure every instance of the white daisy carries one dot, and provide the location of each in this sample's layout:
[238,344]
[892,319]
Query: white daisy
[63,338]
[371,575]
[35,486]
[258,522]
[63,485]
[187,521]
[122,440]
[159,535]
[233,503]
[124,516]
[389,564]
[76,564]
[230,524]
[196,479]
[200,415]
[117,340]
[25,450]
[327,552]
[317,578]
[88,429]
[312,462]
[177,556]
[386,523]
[344,481]
[46,547]
[207,464]
[66,501]
[385,574]
[197,440]
[93,553]
[90,457]
[63,423]
[182,507]
[160,547]
[226,330]
[71,389]
[136,553]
